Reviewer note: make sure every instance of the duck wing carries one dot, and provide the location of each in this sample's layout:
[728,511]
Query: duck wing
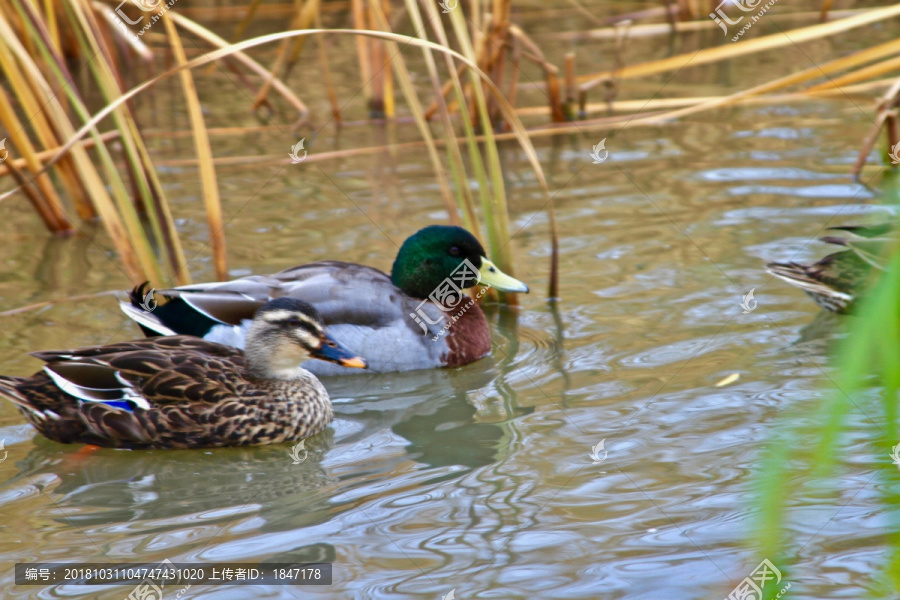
[148,373]
[133,394]
[343,293]
[347,293]
[184,344]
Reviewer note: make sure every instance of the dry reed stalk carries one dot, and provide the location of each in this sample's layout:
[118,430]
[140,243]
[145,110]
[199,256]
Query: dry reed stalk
[742,48]
[217,42]
[326,72]
[288,53]
[204,155]
[46,135]
[884,67]
[626,106]
[887,114]
[409,92]
[363,51]
[557,112]
[464,199]
[136,241]
[386,71]
[265,11]
[44,154]
[569,105]
[44,198]
[51,221]
[667,29]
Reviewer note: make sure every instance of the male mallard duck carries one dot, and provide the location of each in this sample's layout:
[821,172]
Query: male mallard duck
[415,318]
[835,282]
[184,392]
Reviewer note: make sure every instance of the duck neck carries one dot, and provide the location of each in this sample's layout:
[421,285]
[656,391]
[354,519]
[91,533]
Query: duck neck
[271,357]
[277,370]
[468,336]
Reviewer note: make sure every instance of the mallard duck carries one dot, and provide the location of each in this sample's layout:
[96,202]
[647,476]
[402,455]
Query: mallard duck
[836,281]
[185,392]
[414,318]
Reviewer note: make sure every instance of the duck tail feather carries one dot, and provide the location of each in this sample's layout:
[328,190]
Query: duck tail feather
[147,320]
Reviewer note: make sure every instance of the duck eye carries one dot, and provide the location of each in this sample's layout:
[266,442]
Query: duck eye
[454,251]
[293,321]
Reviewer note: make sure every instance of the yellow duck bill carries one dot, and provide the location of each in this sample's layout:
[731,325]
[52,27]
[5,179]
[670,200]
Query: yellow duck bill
[490,275]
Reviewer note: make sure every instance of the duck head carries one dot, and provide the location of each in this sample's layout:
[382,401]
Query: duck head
[286,332]
[432,254]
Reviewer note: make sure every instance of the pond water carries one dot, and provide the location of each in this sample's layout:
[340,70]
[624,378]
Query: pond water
[480,479]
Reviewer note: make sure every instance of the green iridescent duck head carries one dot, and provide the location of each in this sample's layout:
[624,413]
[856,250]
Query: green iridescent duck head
[431,255]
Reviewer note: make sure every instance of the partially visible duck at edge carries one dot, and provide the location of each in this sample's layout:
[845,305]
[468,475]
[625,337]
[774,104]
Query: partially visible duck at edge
[837,281]
[185,392]
[396,322]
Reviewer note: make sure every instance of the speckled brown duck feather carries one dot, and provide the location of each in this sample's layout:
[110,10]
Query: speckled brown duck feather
[185,392]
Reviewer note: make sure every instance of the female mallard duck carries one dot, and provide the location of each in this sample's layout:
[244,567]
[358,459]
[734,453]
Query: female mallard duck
[184,392]
[416,318]
[835,282]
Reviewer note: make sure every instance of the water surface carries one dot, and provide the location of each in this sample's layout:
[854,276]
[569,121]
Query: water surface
[480,479]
